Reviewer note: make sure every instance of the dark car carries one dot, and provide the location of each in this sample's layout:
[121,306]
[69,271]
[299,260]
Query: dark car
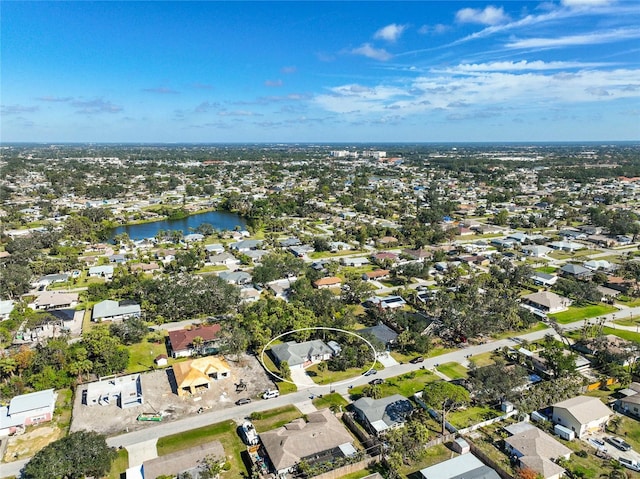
[417,360]
[242,401]
[619,443]
[376,381]
[371,372]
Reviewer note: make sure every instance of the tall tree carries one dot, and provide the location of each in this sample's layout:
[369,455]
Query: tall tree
[445,397]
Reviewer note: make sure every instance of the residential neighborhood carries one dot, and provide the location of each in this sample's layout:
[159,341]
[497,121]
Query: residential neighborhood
[434,311]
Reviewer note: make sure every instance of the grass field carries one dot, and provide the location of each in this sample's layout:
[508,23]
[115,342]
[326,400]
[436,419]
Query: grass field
[225,432]
[329,377]
[621,333]
[453,370]
[283,386]
[431,456]
[484,359]
[546,269]
[141,356]
[539,326]
[471,415]
[576,254]
[273,418]
[119,465]
[576,313]
[333,400]
[405,358]
[406,385]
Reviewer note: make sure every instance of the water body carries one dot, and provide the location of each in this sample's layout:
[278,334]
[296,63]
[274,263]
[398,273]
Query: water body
[220,220]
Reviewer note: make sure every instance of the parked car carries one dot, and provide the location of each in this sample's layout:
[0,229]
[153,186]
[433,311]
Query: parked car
[619,443]
[417,360]
[376,381]
[243,401]
[270,394]
[371,372]
[629,463]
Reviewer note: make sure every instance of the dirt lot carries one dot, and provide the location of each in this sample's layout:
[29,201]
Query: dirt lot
[159,397]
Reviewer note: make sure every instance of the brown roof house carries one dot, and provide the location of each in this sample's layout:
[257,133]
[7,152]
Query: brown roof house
[536,450]
[198,374]
[582,414]
[181,342]
[330,282]
[320,438]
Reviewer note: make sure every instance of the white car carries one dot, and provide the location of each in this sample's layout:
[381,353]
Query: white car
[270,394]
[629,463]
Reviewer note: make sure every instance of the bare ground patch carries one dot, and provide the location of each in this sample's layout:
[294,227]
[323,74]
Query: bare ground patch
[159,396]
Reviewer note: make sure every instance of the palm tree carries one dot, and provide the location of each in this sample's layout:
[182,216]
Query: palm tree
[198,343]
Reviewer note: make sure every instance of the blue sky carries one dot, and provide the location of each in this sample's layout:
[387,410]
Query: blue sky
[431,71]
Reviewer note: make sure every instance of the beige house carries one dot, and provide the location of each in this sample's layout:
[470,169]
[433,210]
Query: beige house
[198,374]
[536,450]
[546,302]
[582,414]
[320,438]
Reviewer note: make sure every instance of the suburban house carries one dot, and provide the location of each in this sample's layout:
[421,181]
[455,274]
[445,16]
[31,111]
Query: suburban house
[280,287]
[215,248]
[105,271]
[48,279]
[630,402]
[465,466]
[356,262]
[123,391]
[377,274]
[301,355]
[223,259]
[330,282]
[198,374]
[27,409]
[110,310]
[378,415]
[181,342]
[381,332]
[387,302]
[6,307]
[582,414]
[302,250]
[54,300]
[235,277]
[536,450]
[175,463]
[545,302]
[320,438]
[575,271]
[543,279]
[245,245]
[145,267]
[536,251]
[568,246]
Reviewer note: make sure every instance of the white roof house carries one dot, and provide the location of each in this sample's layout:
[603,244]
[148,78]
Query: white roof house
[110,310]
[466,466]
[27,409]
[581,414]
[546,301]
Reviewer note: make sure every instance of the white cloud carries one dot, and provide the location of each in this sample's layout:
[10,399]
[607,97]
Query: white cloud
[390,33]
[437,29]
[490,89]
[522,65]
[369,51]
[489,16]
[573,40]
[585,3]
[273,83]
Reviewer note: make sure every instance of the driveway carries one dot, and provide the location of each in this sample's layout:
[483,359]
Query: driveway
[301,378]
[610,449]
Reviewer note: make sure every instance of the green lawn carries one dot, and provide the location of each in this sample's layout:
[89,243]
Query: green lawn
[431,456]
[225,432]
[621,333]
[628,322]
[283,386]
[141,356]
[484,359]
[119,465]
[329,377]
[546,269]
[333,400]
[405,358]
[405,385]
[471,415]
[539,326]
[212,268]
[577,313]
[453,370]
[576,254]
[274,418]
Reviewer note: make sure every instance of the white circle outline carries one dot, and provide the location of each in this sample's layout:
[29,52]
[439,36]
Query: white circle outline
[340,383]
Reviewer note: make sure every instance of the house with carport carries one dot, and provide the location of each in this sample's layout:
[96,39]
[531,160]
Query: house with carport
[301,355]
